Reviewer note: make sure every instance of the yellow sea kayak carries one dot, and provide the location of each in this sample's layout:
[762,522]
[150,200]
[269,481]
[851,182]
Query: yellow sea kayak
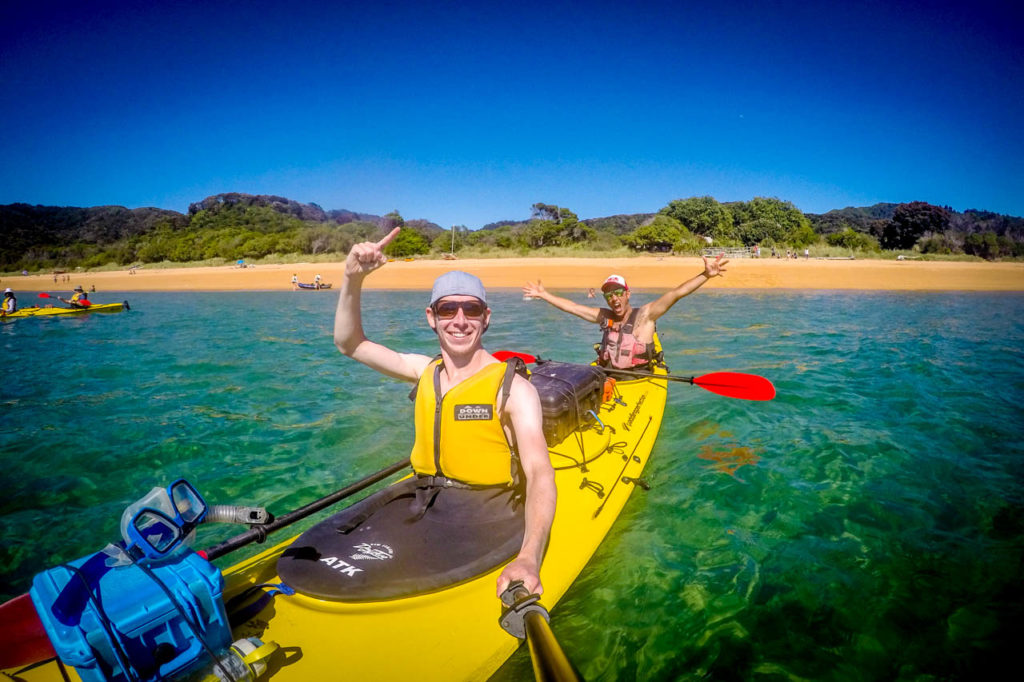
[54,310]
[448,632]
[453,633]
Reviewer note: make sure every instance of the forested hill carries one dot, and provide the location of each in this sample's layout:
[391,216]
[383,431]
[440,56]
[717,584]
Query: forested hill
[25,226]
[235,225]
[309,212]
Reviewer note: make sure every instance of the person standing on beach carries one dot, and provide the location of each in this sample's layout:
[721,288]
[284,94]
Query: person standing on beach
[629,338]
[495,448]
[295,281]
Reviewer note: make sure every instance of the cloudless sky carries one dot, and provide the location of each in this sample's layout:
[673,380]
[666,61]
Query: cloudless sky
[469,112]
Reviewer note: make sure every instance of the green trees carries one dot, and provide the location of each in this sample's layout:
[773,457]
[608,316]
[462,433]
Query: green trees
[407,243]
[912,221]
[555,226]
[548,212]
[942,244]
[451,241]
[660,234]
[771,221]
[232,226]
[702,216]
[990,246]
[762,220]
[255,218]
[853,240]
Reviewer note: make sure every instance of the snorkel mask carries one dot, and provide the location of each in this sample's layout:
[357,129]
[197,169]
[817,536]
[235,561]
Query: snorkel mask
[154,526]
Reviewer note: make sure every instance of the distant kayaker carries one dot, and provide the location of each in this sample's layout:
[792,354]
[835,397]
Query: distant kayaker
[629,337]
[477,404]
[79,299]
[10,302]
[316,280]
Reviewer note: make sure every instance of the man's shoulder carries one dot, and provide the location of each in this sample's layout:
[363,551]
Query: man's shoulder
[412,365]
[522,389]
[520,379]
[644,311]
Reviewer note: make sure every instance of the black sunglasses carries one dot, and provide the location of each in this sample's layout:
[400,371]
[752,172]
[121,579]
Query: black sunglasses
[446,310]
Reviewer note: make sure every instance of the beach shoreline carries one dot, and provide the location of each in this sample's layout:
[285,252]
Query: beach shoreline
[651,273]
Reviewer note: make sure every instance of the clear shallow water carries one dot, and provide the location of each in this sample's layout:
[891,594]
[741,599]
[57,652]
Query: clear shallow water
[867,524]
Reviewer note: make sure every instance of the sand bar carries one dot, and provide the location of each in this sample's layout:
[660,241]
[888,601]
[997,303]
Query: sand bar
[643,273]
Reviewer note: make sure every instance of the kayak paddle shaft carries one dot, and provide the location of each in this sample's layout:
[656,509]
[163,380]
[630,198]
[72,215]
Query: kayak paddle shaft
[525,617]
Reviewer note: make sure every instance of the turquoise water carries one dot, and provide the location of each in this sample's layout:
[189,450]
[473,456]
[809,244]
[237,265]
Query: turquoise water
[866,524]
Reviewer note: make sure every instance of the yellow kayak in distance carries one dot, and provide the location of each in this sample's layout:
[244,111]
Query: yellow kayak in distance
[444,626]
[57,311]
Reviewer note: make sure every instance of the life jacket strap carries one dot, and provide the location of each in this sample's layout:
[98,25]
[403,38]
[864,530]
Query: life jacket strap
[648,359]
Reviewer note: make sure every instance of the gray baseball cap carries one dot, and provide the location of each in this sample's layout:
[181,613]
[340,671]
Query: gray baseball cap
[457,283]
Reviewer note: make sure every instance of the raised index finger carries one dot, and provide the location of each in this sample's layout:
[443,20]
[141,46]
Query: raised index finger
[387,239]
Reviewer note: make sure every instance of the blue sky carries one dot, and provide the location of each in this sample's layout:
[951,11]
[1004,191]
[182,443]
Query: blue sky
[467,113]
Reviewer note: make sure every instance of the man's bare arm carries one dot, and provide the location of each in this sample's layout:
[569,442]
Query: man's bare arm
[588,313]
[349,337]
[663,303]
[524,410]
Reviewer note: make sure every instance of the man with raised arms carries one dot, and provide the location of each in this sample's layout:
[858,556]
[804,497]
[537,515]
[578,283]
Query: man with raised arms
[483,405]
[629,337]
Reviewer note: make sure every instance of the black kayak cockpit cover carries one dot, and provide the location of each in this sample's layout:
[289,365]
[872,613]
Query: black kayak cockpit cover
[401,545]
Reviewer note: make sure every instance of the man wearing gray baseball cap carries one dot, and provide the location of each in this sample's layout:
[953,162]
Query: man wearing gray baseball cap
[457,283]
[479,432]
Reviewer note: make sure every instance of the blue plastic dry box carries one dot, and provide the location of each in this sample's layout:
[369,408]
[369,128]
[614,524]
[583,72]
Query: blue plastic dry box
[102,619]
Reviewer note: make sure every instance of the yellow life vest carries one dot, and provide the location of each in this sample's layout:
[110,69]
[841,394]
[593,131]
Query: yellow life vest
[460,434]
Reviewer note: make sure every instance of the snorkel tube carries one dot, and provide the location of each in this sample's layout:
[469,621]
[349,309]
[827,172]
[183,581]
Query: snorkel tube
[233,513]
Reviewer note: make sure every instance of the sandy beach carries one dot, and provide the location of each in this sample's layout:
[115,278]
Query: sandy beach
[643,273]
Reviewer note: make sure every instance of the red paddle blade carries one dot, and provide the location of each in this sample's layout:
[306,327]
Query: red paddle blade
[44,295]
[737,385]
[504,355]
[23,640]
